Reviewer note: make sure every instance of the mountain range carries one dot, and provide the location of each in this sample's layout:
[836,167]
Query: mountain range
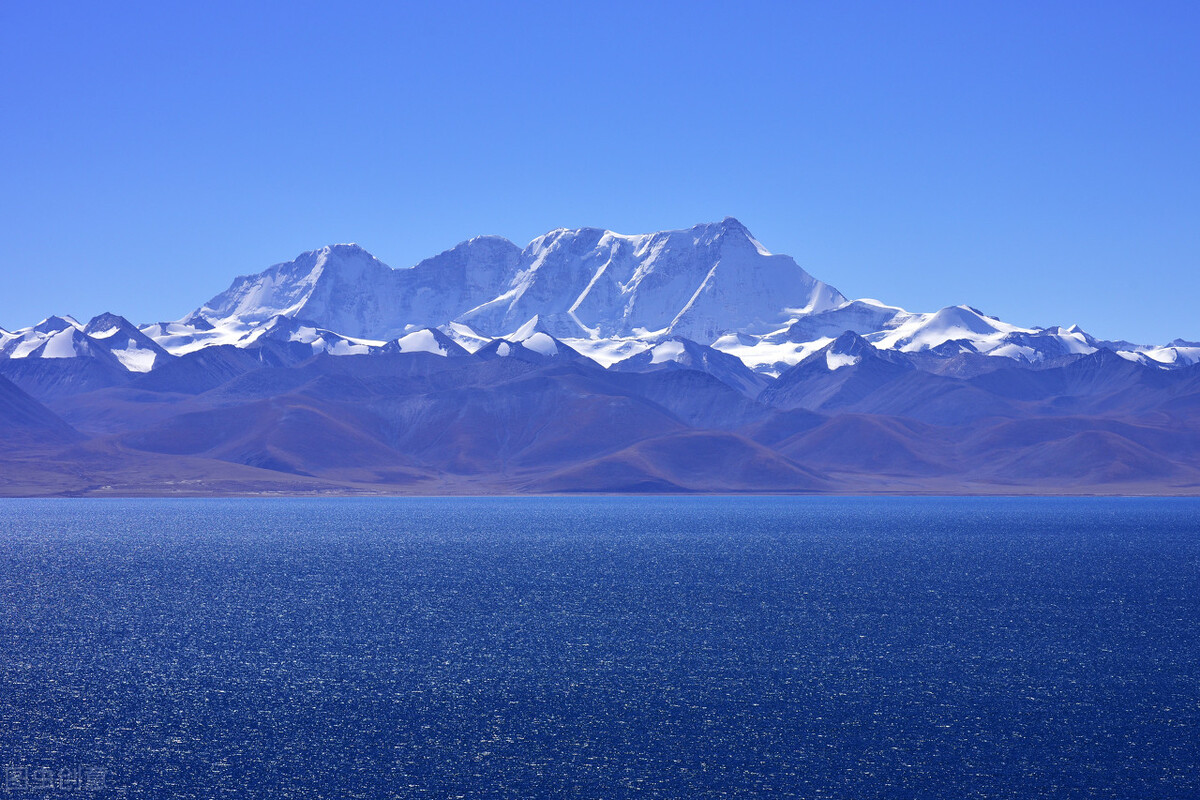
[588,361]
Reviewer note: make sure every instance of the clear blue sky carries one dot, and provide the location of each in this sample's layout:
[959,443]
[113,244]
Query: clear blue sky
[1038,160]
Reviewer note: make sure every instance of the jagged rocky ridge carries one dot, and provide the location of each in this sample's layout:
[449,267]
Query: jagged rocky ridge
[688,360]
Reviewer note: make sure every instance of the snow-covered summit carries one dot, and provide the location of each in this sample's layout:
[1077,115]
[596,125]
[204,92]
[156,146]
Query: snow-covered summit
[136,351]
[313,281]
[427,340]
[108,338]
[698,282]
[287,330]
[55,324]
[671,299]
[677,352]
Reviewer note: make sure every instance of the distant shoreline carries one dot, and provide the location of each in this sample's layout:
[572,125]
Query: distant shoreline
[349,495]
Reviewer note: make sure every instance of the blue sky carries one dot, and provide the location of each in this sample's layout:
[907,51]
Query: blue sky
[1040,161]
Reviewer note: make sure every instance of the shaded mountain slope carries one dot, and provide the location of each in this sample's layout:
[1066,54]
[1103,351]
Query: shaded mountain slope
[24,420]
[871,445]
[691,461]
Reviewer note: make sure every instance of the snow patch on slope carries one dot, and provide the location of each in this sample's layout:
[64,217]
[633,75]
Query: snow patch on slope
[768,355]
[667,351]
[136,359]
[422,341]
[838,360]
[607,352]
[464,336]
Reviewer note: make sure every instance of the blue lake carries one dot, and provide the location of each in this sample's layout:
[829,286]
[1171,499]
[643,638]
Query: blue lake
[601,648]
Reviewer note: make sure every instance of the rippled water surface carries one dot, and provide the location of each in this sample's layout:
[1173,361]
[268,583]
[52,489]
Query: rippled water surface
[600,648]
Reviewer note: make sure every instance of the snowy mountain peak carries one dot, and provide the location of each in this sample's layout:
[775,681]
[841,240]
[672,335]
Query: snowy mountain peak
[851,344]
[343,247]
[586,283]
[846,350]
[611,296]
[290,331]
[962,318]
[108,338]
[860,316]
[54,324]
[540,348]
[314,280]
[850,350]
[136,351]
[106,324]
[730,232]
[920,332]
[678,353]
[535,336]
[427,340]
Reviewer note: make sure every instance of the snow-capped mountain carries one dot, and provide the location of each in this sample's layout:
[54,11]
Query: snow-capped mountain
[344,288]
[107,338]
[689,360]
[317,339]
[677,352]
[136,351]
[427,340]
[609,297]
[586,283]
[531,343]
[841,367]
